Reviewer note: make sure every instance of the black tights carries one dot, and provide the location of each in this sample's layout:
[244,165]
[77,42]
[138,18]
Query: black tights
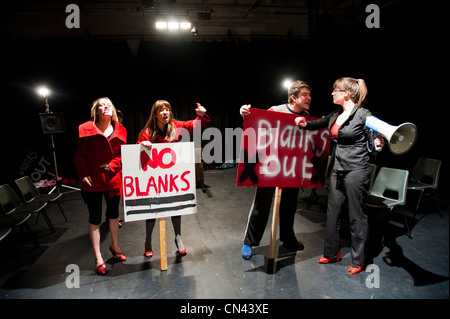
[150,224]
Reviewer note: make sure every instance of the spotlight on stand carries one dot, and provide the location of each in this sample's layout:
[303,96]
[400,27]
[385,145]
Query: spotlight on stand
[52,123]
[44,92]
[287,84]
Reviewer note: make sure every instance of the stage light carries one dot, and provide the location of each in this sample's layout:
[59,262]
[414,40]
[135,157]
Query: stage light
[185,25]
[43,91]
[52,123]
[173,25]
[161,25]
[287,83]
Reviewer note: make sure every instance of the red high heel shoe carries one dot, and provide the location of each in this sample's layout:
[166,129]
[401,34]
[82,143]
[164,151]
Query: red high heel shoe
[118,256]
[353,270]
[179,244]
[101,269]
[182,252]
[148,253]
[327,260]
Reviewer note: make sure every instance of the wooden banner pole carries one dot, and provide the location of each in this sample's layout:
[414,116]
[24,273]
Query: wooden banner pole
[273,235]
[162,243]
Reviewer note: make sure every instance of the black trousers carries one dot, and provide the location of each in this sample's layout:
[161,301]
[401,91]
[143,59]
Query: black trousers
[353,186]
[94,200]
[260,210]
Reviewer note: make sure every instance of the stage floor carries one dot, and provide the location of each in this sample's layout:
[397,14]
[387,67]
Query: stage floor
[403,268]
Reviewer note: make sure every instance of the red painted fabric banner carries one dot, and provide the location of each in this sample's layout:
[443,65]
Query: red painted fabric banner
[276,153]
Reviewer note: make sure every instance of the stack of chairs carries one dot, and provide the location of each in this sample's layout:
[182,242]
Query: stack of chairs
[17,210]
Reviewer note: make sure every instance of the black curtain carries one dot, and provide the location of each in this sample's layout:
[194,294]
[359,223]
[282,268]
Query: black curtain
[399,61]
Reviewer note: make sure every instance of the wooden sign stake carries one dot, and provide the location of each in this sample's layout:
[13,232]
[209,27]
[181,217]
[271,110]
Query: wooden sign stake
[162,243]
[273,235]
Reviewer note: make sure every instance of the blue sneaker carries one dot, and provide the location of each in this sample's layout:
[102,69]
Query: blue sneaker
[246,252]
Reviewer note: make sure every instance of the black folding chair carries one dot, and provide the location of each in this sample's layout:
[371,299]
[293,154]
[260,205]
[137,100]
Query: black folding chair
[8,222]
[425,176]
[31,194]
[11,205]
[389,191]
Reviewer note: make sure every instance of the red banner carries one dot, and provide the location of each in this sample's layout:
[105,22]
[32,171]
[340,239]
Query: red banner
[276,153]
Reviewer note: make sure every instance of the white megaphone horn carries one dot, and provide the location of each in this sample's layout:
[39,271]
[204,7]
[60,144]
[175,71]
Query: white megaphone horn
[400,138]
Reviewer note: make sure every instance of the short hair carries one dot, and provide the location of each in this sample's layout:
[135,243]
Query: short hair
[296,87]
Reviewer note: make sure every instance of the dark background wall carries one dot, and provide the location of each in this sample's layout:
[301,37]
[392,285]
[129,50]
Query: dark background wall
[401,63]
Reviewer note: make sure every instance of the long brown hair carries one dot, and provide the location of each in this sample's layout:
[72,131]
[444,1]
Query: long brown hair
[151,122]
[355,87]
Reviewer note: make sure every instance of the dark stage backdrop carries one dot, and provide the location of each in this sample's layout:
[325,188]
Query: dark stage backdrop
[399,61]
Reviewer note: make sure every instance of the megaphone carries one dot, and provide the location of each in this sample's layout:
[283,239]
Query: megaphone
[400,138]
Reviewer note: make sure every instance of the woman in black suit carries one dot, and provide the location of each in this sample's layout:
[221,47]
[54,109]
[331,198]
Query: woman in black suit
[350,168]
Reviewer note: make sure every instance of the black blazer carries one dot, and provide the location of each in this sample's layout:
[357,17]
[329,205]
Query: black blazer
[350,149]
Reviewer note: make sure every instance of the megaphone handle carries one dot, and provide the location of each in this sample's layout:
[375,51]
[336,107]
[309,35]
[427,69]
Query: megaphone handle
[377,148]
[372,142]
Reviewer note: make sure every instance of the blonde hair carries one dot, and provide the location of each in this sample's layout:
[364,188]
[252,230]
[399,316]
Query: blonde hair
[151,122]
[94,109]
[355,87]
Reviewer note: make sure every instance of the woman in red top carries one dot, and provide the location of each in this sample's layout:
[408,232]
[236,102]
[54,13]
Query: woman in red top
[98,165]
[162,128]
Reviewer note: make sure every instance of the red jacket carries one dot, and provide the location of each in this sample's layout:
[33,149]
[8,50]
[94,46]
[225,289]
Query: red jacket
[94,149]
[178,125]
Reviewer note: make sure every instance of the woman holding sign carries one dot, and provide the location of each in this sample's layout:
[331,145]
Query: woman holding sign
[350,166]
[98,164]
[162,128]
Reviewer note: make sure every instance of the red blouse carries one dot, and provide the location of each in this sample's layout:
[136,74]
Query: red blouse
[335,129]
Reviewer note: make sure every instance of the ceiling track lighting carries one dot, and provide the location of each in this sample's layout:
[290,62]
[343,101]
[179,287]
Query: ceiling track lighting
[173,24]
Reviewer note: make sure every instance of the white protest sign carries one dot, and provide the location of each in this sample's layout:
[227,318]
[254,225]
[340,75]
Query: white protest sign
[160,182]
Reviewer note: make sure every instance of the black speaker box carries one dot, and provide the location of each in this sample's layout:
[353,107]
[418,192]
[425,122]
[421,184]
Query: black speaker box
[52,123]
